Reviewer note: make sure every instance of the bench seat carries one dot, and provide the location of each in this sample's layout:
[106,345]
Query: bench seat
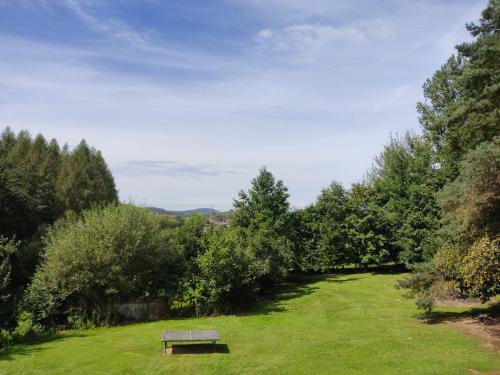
[211,335]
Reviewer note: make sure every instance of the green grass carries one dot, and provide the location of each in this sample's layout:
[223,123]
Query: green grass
[346,324]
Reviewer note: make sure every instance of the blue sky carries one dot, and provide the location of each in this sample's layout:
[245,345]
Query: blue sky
[188,99]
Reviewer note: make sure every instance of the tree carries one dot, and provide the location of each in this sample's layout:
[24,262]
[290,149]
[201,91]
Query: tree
[407,179]
[462,103]
[331,210]
[85,180]
[461,119]
[262,220]
[471,223]
[367,228]
[471,203]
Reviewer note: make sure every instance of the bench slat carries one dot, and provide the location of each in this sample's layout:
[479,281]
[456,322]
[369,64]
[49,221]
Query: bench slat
[196,335]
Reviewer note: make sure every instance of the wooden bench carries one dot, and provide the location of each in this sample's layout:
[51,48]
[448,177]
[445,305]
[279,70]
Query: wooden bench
[210,335]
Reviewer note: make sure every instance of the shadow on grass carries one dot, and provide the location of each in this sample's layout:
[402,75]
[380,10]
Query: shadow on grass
[296,286]
[200,349]
[487,315]
[383,269]
[273,301]
[31,346]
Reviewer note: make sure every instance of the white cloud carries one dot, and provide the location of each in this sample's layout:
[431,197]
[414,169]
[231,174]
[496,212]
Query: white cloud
[312,37]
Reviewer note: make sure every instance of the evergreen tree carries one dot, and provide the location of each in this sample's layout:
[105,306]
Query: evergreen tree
[84,180]
[262,219]
[462,107]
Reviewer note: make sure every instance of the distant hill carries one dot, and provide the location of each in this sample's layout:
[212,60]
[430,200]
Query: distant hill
[203,211]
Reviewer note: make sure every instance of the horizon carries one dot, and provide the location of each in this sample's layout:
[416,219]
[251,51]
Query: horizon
[187,102]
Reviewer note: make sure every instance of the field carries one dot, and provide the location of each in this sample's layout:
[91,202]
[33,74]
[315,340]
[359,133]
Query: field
[344,324]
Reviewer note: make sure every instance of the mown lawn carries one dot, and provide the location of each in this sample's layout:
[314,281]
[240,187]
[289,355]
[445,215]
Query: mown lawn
[345,324]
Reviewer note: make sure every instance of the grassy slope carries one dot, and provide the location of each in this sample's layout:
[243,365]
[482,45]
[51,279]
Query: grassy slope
[350,324]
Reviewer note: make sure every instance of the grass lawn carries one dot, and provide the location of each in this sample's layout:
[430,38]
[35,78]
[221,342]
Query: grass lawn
[345,324]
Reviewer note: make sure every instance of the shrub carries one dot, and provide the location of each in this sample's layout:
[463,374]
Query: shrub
[480,269]
[5,338]
[107,256]
[419,285]
[26,327]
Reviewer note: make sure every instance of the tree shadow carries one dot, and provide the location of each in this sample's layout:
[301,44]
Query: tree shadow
[296,286]
[30,346]
[487,315]
[199,349]
[333,280]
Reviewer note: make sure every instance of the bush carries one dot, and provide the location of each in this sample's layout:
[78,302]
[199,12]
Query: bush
[480,269]
[26,327]
[5,338]
[419,285]
[106,256]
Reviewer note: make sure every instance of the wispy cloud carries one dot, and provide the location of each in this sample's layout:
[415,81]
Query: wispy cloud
[171,168]
[112,27]
[308,37]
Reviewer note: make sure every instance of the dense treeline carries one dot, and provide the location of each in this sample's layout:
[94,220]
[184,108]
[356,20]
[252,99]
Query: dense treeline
[40,182]
[461,122]
[69,253]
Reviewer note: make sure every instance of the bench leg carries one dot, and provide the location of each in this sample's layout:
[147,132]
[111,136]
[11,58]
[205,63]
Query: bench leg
[213,342]
[165,349]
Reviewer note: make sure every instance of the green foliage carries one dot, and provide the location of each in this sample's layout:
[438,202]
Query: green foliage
[7,289]
[343,227]
[5,338]
[419,284]
[26,327]
[36,178]
[85,180]
[471,203]
[331,208]
[480,269]
[38,182]
[406,179]
[229,273]
[461,119]
[263,222]
[463,97]
[189,237]
[27,183]
[471,223]
[104,257]
[367,228]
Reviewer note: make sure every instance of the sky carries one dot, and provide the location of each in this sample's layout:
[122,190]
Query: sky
[188,99]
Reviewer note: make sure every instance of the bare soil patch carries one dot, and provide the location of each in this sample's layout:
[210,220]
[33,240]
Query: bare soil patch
[485,328]
[482,321]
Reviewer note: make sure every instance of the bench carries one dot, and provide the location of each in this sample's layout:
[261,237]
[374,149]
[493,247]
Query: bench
[210,335]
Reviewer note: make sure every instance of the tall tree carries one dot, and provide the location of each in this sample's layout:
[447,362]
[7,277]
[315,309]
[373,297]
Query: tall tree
[462,106]
[262,218]
[408,179]
[85,179]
